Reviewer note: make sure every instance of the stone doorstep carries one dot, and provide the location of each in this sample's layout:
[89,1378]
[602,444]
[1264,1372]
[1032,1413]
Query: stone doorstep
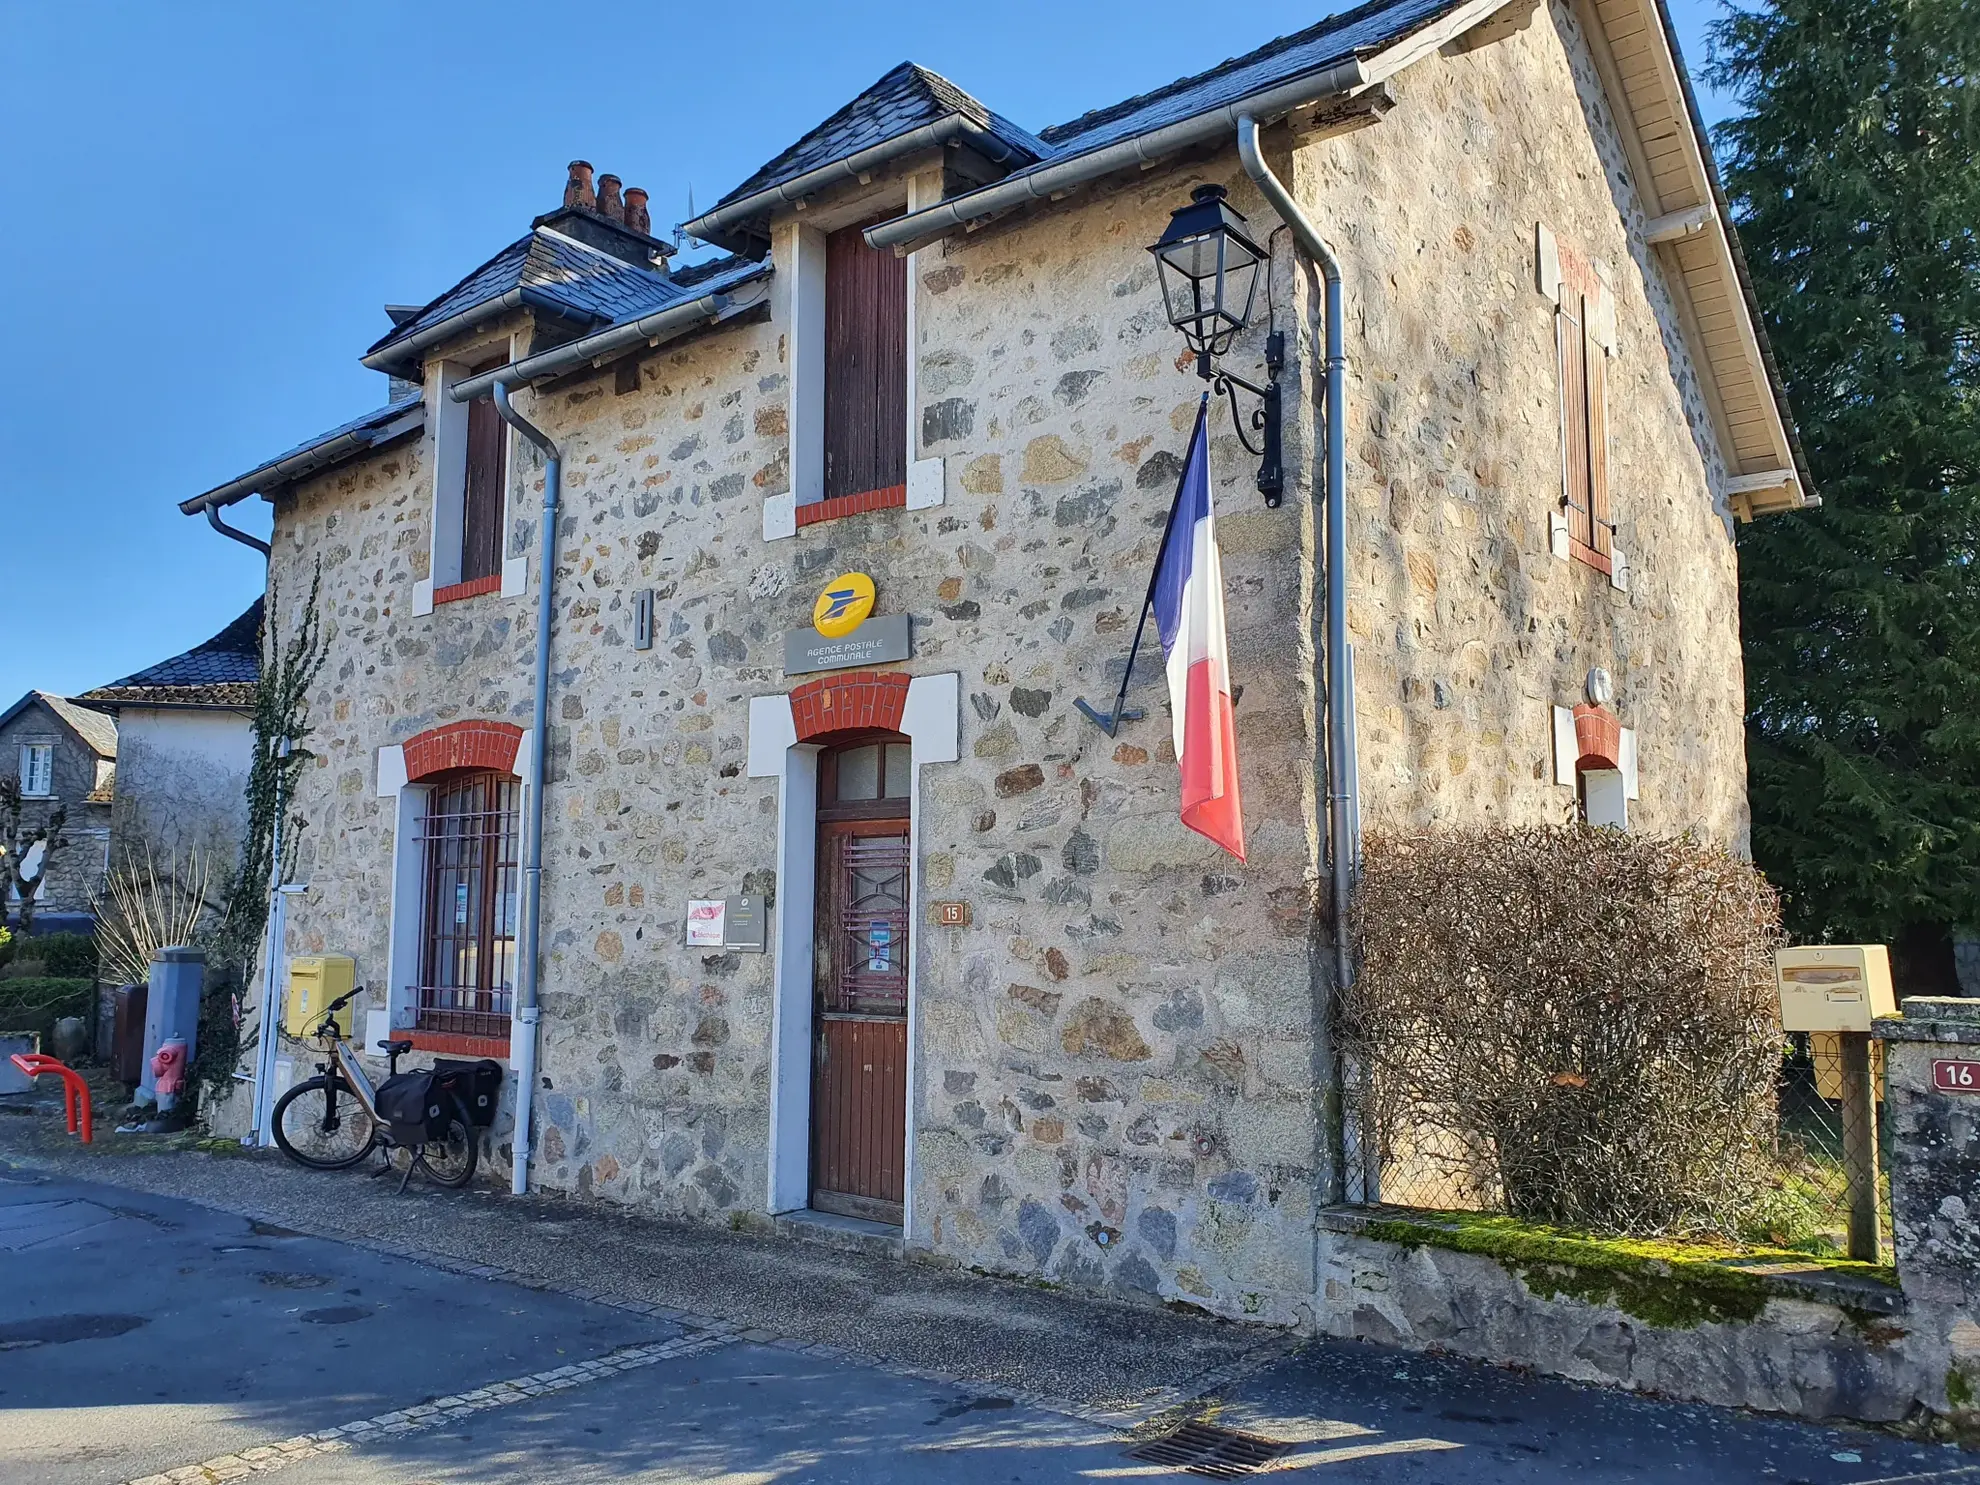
[1782,1277]
[847,1234]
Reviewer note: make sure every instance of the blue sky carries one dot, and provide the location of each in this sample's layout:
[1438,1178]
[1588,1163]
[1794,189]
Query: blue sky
[208,205]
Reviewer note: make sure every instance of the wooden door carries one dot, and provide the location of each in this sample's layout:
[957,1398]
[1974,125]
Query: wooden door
[859,1077]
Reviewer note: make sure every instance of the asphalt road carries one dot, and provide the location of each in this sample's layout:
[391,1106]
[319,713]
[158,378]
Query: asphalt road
[142,1333]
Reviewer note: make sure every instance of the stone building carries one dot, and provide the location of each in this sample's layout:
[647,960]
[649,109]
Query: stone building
[185,728]
[1006,1006]
[65,757]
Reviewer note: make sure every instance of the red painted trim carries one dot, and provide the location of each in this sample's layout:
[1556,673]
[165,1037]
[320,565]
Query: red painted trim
[472,588]
[462,745]
[851,505]
[1597,737]
[457,1044]
[856,698]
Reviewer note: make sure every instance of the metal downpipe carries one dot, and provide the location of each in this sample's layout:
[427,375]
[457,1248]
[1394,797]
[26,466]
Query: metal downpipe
[213,519]
[532,903]
[1339,699]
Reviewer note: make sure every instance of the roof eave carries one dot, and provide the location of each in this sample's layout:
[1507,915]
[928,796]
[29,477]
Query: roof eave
[606,345]
[723,226]
[306,462]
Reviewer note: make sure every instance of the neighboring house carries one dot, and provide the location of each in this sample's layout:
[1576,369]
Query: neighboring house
[186,737]
[1009,1006]
[66,758]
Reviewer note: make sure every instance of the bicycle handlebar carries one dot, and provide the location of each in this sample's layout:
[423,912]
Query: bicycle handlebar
[328,1025]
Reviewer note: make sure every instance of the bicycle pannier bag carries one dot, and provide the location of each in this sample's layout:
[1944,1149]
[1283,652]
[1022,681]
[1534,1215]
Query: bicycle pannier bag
[415,1106]
[478,1085]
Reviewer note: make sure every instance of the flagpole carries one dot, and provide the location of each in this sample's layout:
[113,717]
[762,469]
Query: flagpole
[1114,717]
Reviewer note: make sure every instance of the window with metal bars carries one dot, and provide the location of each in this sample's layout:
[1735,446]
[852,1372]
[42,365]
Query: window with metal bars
[469,882]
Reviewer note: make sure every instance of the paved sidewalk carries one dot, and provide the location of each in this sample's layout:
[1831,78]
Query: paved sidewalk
[548,1340]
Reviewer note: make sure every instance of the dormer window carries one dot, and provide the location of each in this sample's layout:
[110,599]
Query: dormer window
[865,376]
[470,484]
[483,486]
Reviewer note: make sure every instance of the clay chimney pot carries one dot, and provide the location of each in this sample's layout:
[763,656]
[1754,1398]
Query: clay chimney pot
[577,190]
[637,216]
[609,203]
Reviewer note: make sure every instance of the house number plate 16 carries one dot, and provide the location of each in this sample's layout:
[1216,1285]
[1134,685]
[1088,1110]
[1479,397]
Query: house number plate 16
[1955,1075]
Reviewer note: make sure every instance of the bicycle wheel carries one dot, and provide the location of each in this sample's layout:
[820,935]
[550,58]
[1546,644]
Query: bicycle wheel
[451,1161]
[321,1124]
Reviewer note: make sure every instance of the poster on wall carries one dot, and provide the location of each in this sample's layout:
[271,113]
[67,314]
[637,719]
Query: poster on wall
[705,923]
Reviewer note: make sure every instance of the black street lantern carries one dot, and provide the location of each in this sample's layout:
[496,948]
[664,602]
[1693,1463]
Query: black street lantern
[1209,269]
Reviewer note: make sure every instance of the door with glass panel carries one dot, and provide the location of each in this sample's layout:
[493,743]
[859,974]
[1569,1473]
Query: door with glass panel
[859,1070]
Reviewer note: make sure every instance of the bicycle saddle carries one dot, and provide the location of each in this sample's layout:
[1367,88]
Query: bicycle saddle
[397,1048]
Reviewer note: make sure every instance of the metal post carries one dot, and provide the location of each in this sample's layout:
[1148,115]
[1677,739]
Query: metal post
[1859,1119]
[271,992]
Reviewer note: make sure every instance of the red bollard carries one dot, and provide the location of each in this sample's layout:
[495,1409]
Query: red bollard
[75,1092]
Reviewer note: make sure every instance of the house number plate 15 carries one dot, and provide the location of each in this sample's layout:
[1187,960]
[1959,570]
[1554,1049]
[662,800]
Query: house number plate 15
[1955,1075]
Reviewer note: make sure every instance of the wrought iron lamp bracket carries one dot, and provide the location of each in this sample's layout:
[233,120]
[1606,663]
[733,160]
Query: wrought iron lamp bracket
[1265,418]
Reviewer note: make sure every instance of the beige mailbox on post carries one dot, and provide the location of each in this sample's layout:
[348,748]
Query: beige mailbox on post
[1838,987]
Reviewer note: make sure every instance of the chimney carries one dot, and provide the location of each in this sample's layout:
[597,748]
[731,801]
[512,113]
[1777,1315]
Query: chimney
[609,204]
[610,218]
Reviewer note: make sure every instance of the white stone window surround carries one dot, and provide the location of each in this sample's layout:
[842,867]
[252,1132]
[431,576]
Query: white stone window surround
[37,773]
[802,246]
[932,721]
[405,931]
[446,427]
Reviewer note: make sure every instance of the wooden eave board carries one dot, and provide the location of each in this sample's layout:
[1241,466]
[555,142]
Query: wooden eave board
[1639,66]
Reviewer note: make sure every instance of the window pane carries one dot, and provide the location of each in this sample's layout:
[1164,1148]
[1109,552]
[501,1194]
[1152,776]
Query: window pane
[859,773]
[898,771]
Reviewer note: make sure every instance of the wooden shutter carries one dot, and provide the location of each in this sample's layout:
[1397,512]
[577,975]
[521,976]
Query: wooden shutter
[481,510]
[865,367]
[1595,370]
[1571,339]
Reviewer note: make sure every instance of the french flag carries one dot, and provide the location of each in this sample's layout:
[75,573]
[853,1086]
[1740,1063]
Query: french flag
[1189,612]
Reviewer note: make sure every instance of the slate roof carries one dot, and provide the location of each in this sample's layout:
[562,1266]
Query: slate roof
[906,98]
[221,672]
[1366,28]
[554,272]
[98,732]
[377,426]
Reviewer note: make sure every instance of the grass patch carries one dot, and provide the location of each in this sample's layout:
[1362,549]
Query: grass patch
[1672,1283]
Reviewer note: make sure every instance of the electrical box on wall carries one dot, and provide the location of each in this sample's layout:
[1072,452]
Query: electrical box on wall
[1835,987]
[314,981]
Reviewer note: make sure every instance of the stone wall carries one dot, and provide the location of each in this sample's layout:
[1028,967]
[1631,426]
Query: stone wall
[1117,1062]
[1467,630]
[182,782]
[77,869]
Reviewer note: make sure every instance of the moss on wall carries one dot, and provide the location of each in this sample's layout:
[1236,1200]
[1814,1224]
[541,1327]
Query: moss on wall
[1671,1283]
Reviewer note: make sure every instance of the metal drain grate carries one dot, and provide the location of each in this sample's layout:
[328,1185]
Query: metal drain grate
[1215,1453]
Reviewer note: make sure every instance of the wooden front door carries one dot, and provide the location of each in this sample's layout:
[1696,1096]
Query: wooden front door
[859,1074]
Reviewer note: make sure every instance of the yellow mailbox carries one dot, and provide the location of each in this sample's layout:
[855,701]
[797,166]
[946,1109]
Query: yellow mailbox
[1836,987]
[314,981]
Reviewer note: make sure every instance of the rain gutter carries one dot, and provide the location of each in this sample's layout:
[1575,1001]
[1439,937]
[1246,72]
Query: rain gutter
[1061,176]
[952,128]
[391,356]
[602,346]
[306,462]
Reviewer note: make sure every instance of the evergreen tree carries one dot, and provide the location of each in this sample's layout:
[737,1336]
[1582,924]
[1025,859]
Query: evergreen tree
[1855,178]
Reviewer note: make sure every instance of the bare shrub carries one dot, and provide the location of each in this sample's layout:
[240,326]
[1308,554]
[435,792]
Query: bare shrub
[1582,1019]
[148,906]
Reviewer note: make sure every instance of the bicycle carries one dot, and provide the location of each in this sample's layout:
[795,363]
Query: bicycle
[331,1121]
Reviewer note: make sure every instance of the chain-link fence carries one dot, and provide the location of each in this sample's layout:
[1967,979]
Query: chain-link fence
[1412,1157]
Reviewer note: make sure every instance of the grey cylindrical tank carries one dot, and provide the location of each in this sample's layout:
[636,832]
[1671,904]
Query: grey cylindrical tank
[171,1009]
